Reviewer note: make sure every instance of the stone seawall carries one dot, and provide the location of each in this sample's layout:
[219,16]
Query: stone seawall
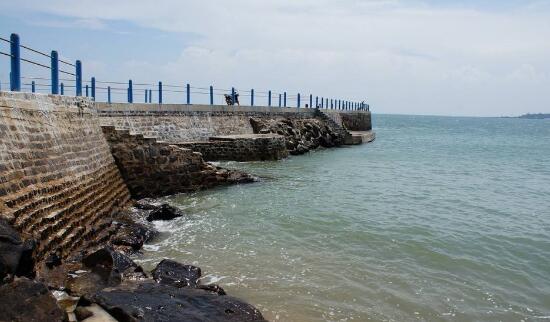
[245,147]
[197,127]
[58,180]
[154,169]
[177,123]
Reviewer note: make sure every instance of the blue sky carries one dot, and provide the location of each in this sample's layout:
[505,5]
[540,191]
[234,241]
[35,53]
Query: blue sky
[413,57]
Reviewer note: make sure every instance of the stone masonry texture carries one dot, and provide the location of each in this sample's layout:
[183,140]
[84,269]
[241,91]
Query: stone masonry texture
[58,180]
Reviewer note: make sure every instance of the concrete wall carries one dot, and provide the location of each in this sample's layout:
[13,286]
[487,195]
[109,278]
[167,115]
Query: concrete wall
[58,179]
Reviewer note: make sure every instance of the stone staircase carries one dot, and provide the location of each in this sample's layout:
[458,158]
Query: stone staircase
[337,126]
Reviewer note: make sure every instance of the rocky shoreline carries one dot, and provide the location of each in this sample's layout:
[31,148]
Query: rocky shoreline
[105,284]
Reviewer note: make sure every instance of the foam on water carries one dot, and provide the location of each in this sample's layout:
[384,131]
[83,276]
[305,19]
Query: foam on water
[439,219]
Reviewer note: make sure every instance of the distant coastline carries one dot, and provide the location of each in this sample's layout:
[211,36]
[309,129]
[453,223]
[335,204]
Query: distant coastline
[538,116]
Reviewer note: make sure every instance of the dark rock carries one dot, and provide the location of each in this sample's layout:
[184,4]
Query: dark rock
[159,302]
[132,235]
[104,268]
[212,288]
[113,266]
[82,313]
[236,176]
[26,262]
[25,300]
[176,274]
[164,212]
[54,259]
[15,254]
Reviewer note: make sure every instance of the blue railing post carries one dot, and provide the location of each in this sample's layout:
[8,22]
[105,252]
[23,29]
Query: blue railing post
[285,98]
[15,75]
[87,91]
[331,104]
[109,94]
[211,95]
[322,102]
[310,101]
[62,88]
[316,101]
[269,99]
[160,92]
[252,97]
[298,98]
[339,104]
[280,100]
[188,91]
[33,87]
[93,88]
[146,98]
[130,92]
[233,95]
[150,95]
[327,104]
[78,75]
[54,72]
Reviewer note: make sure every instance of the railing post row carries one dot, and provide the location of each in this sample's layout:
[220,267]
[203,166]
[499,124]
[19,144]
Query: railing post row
[211,95]
[15,75]
[130,92]
[54,58]
[78,73]
[160,92]
[93,88]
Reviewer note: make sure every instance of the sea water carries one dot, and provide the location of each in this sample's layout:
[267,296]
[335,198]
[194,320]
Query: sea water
[440,219]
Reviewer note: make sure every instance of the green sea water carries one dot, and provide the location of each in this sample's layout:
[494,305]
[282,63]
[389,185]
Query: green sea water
[440,219]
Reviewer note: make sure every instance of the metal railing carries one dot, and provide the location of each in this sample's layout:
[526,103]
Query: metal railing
[110,90]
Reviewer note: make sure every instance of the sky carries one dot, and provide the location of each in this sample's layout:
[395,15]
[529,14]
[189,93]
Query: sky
[463,58]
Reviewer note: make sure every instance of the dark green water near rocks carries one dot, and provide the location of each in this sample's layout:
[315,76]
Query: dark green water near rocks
[440,219]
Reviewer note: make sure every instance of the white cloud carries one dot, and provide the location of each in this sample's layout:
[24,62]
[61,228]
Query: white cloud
[407,58]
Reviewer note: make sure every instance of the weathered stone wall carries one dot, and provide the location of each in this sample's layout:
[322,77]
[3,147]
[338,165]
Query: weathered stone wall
[152,169]
[189,123]
[255,147]
[357,121]
[58,179]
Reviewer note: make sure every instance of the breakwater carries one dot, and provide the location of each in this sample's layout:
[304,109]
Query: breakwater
[71,170]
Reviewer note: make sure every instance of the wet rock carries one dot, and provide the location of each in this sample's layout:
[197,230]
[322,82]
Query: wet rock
[164,212]
[113,266]
[94,313]
[54,259]
[26,265]
[212,288]
[179,275]
[132,235]
[160,302]
[236,176]
[103,268]
[15,254]
[25,300]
